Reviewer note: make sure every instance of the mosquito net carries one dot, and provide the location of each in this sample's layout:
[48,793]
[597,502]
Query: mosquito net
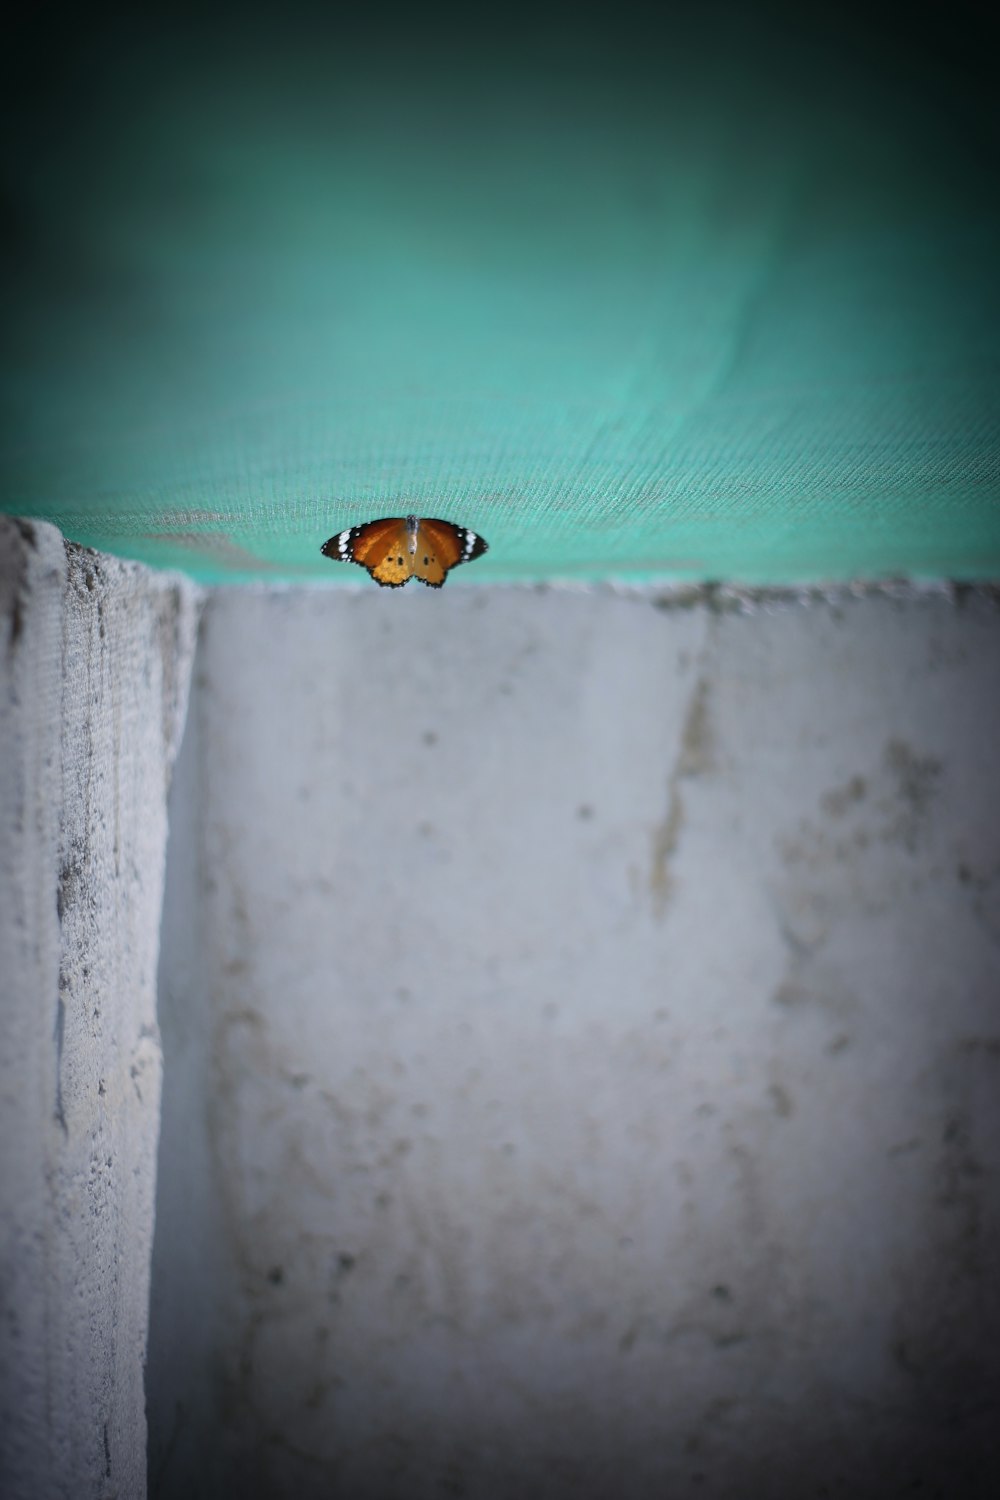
[711,297]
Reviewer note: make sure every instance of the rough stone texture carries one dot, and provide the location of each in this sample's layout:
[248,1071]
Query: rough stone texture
[94,669]
[597,1009]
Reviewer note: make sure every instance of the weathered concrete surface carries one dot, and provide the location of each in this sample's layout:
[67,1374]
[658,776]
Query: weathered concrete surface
[94,669]
[598,1009]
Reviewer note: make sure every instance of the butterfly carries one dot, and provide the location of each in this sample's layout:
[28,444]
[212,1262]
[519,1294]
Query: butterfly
[398,548]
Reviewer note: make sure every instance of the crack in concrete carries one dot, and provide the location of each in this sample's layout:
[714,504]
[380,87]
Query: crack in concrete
[694,756]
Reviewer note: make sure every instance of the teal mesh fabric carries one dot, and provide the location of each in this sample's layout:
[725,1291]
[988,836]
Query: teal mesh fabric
[718,303]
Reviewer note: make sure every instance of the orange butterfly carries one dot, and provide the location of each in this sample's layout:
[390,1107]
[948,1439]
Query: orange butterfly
[399,548]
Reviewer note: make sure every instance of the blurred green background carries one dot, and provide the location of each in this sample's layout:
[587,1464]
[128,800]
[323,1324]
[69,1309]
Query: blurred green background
[706,292]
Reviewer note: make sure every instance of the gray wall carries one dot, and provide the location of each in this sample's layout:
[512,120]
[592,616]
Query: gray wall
[582,1028]
[94,665]
[582,1025]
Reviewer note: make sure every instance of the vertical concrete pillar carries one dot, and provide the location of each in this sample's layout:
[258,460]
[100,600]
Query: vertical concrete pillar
[95,658]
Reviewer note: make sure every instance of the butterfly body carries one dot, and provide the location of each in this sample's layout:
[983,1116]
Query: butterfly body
[395,549]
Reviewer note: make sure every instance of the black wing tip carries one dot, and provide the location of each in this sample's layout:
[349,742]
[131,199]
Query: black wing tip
[339,546]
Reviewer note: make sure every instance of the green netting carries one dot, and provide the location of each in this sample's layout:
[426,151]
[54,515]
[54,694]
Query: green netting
[722,302]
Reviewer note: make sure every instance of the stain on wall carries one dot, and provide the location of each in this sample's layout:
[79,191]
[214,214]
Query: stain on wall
[528,1183]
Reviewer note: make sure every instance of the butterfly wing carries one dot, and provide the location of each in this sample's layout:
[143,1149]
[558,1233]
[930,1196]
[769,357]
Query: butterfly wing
[380,546]
[441,546]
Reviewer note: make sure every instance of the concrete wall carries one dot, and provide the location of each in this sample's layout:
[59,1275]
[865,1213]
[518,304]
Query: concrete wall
[582,1029]
[94,667]
[582,1032]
